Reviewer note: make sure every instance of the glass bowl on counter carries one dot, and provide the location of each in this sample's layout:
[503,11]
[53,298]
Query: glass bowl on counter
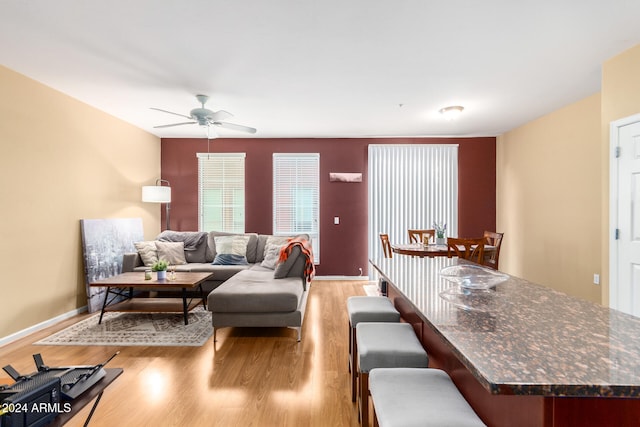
[471,276]
[486,300]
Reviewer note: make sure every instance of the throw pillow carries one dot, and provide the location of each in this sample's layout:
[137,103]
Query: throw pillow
[283,269]
[271,255]
[236,246]
[198,255]
[195,243]
[172,252]
[275,240]
[229,259]
[147,252]
[211,243]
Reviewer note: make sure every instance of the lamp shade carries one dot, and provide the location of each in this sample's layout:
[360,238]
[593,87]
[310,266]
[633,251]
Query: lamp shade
[156,194]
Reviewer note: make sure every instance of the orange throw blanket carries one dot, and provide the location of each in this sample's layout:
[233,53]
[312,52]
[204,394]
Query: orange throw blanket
[305,248]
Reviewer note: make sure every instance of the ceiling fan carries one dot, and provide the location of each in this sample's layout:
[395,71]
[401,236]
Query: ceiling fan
[205,117]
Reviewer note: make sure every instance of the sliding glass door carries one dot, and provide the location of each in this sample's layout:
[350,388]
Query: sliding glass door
[411,186]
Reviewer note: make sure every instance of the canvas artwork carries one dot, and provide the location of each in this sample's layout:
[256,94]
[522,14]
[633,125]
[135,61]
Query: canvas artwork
[104,242]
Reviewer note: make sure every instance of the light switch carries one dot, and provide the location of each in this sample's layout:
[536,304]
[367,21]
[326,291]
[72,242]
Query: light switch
[336,220]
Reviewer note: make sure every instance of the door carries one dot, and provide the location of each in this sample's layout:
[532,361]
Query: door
[624,289]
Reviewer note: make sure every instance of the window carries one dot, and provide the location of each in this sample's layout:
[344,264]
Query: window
[221,192]
[411,186]
[296,196]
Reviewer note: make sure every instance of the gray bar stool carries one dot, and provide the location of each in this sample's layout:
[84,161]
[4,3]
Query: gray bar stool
[385,345]
[407,397]
[366,309]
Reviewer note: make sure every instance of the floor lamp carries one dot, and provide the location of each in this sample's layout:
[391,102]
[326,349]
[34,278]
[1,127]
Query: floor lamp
[158,194]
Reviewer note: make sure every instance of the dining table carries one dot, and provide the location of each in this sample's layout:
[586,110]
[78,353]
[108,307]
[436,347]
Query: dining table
[430,250]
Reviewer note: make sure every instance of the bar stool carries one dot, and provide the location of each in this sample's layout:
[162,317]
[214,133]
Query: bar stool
[385,345]
[366,309]
[407,397]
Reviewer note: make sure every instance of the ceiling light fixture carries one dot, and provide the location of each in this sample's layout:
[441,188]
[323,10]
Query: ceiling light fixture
[451,112]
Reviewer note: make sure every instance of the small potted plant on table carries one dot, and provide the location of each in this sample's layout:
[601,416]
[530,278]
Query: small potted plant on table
[160,267]
[440,231]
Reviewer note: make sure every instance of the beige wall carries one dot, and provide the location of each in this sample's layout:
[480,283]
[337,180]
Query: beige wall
[553,186]
[549,199]
[61,161]
[620,99]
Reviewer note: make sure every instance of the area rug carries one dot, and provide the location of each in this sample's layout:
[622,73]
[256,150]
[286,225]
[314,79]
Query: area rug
[137,329]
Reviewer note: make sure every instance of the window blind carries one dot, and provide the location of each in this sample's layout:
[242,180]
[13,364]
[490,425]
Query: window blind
[411,186]
[221,192]
[296,196]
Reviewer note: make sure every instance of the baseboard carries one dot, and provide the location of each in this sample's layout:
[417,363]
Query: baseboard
[35,328]
[342,278]
[372,289]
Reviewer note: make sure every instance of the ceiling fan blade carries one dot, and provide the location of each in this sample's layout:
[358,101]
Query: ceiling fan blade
[171,112]
[220,115]
[234,126]
[174,124]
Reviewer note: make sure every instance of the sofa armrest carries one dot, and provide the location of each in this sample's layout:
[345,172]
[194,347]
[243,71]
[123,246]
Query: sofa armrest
[131,261]
[297,270]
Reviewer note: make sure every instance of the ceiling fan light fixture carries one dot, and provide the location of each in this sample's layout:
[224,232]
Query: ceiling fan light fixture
[451,112]
[206,118]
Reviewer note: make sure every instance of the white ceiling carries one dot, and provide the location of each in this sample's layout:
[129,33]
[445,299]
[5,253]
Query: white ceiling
[332,68]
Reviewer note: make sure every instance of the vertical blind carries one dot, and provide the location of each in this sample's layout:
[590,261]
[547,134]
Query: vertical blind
[411,187]
[296,196]
[221,192]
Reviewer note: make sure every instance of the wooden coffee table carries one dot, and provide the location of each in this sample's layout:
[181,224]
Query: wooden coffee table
[124,284]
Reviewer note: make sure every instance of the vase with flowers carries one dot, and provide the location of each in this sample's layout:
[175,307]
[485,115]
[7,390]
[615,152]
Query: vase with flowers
[440,229]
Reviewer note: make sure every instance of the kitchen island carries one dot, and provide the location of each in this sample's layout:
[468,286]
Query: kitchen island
[522,354]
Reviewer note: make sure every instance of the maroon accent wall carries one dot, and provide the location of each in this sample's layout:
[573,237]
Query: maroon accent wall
[344,246]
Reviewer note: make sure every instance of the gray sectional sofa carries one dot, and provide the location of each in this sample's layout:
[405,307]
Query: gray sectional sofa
[250,287]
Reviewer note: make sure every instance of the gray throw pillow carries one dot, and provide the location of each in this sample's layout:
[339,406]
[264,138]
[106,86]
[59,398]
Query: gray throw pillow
[198,255]
[282,269]
[172,252]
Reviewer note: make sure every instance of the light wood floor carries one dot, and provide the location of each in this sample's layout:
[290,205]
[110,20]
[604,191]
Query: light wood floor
[252,377]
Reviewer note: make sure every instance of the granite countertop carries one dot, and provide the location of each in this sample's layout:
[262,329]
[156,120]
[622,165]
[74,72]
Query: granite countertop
[523,338]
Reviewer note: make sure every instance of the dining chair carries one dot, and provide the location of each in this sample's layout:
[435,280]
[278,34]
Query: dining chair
[470,249]
[417,236]
[386,246]
[491,258]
